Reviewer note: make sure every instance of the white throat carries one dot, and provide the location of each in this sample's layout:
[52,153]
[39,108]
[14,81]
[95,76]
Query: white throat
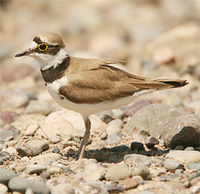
[46,60]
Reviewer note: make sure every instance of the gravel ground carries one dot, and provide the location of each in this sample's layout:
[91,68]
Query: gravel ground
[149,147]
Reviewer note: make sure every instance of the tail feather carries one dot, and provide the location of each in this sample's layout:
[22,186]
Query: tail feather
[172,83]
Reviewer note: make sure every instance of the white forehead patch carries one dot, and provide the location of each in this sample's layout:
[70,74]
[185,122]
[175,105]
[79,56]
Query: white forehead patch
[33,45]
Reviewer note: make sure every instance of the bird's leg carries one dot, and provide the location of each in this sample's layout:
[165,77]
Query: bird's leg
[85,137]
[84,142]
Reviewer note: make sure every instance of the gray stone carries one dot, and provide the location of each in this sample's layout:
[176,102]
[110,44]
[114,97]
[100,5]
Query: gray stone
[194,166]
[141,170]
[113,139]
[151,142]
[30,169]
[21,184]
[6,175]
[28,151]
[118,172]
[42,144]
[6,135]
[184,157]
[135,159]
[31,129]
[189,149]
[38,107]
[149,119]
[194,175]
[183,130]
[173,165]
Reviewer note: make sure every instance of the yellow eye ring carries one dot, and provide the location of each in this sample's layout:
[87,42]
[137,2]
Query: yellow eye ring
[43,47]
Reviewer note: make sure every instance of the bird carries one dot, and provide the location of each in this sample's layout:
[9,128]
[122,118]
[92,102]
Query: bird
[85,85]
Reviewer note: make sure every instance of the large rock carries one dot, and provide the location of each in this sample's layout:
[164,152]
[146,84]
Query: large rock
[183,130]
[150,119]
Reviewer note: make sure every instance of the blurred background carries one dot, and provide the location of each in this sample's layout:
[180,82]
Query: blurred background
[157,38]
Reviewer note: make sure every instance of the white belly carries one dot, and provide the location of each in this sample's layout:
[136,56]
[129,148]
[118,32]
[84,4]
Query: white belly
[87,109]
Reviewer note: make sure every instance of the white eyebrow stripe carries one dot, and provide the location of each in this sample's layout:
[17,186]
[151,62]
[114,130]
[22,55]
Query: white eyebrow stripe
[33,45]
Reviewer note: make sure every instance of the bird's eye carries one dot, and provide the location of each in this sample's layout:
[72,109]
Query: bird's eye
[43,47]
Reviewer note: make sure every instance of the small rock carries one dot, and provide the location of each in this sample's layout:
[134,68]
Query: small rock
[63,189]
[28,151]
[8,116]
[106,118]
[30,169]
[38,107]
[10,150]
[112,129]
[137,146]
[8,134]
[194,166]
[141,170]
[21,184]
[194,175]
[118,172]
[14,99]
[65,135]
[164,56]
[56,150]
[20,168]
[179,147]
[195,181]
[189,149]
[183,130]
[113,139]
[42,144]
[45,159]
[93,172]
[135,159]
[6,175]
[130,183]
[172,165]
[116,113]
[131,110]
[103,136]
[31,129]
[184,157]
[114,189]
[3,189]
[151,142]
[45,175]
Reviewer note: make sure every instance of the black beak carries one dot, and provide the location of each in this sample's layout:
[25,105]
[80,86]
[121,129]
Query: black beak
[24,53]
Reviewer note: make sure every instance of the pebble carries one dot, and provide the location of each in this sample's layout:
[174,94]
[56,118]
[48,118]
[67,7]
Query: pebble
[10,150]
[189,149]
[65,136]
[130,183]
[54,170]
[194,175]
[30,169]
[151,117]
[42,144]
[112,129]
[173,165]
[45,159]
[63,189]
[8,134]
[93,172]
[179,147]
[194,166]
[195,181]
[14,99]
[116,112]
[132,109]
[118,172]
[31,129]
[185,157]
[28,151]
[113,139]
[151,142]
[141,170]
[6,175]
[137,146]
[45,175]
[38,107]
[134,159]
[183,130]
[20,168]
[7,117]
[21,184]
[3,189]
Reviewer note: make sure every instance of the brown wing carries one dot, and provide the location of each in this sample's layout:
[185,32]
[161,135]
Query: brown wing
[105,83]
